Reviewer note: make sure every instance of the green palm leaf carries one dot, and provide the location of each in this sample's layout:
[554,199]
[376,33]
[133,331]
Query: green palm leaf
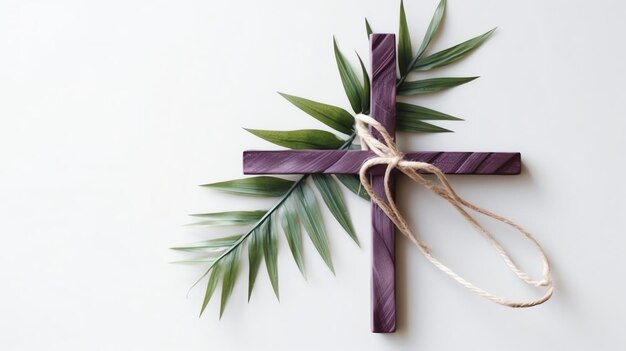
[414,125]
[291,227]
[229,218]
[350,82]
[212,245]
[211,285]
[331,193]
[197,261]
[452,54]
[270,250]
[432,85]
[334,117]
[300,139]
[353,183]
[311,216]
[255,254]
[432,30]
[365,96]
[407,111]
[254,186]
[231,269]
[405,51]
[368,28]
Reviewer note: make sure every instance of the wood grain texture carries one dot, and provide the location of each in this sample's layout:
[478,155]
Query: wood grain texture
[383,109]
[349,162]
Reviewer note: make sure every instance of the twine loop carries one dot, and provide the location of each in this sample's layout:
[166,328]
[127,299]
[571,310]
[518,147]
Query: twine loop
[387,153]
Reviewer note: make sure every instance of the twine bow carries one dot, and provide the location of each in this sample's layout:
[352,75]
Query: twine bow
[388,154]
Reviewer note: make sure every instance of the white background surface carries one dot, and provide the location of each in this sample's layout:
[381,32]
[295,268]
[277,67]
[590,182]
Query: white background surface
[113,111]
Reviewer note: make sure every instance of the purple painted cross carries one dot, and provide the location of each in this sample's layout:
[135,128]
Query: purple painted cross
[383,109]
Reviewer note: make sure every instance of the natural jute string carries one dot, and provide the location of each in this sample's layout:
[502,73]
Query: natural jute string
[388,154]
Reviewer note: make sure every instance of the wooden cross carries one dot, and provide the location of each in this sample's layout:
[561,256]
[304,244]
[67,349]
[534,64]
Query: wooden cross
[383,109]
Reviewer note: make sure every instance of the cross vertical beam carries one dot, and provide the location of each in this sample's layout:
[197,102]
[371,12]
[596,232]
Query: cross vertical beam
[383,109]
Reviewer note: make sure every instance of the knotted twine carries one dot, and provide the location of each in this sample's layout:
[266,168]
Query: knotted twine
[388,154]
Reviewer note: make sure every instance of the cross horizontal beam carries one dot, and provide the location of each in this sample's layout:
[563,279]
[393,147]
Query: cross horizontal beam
[350,161]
